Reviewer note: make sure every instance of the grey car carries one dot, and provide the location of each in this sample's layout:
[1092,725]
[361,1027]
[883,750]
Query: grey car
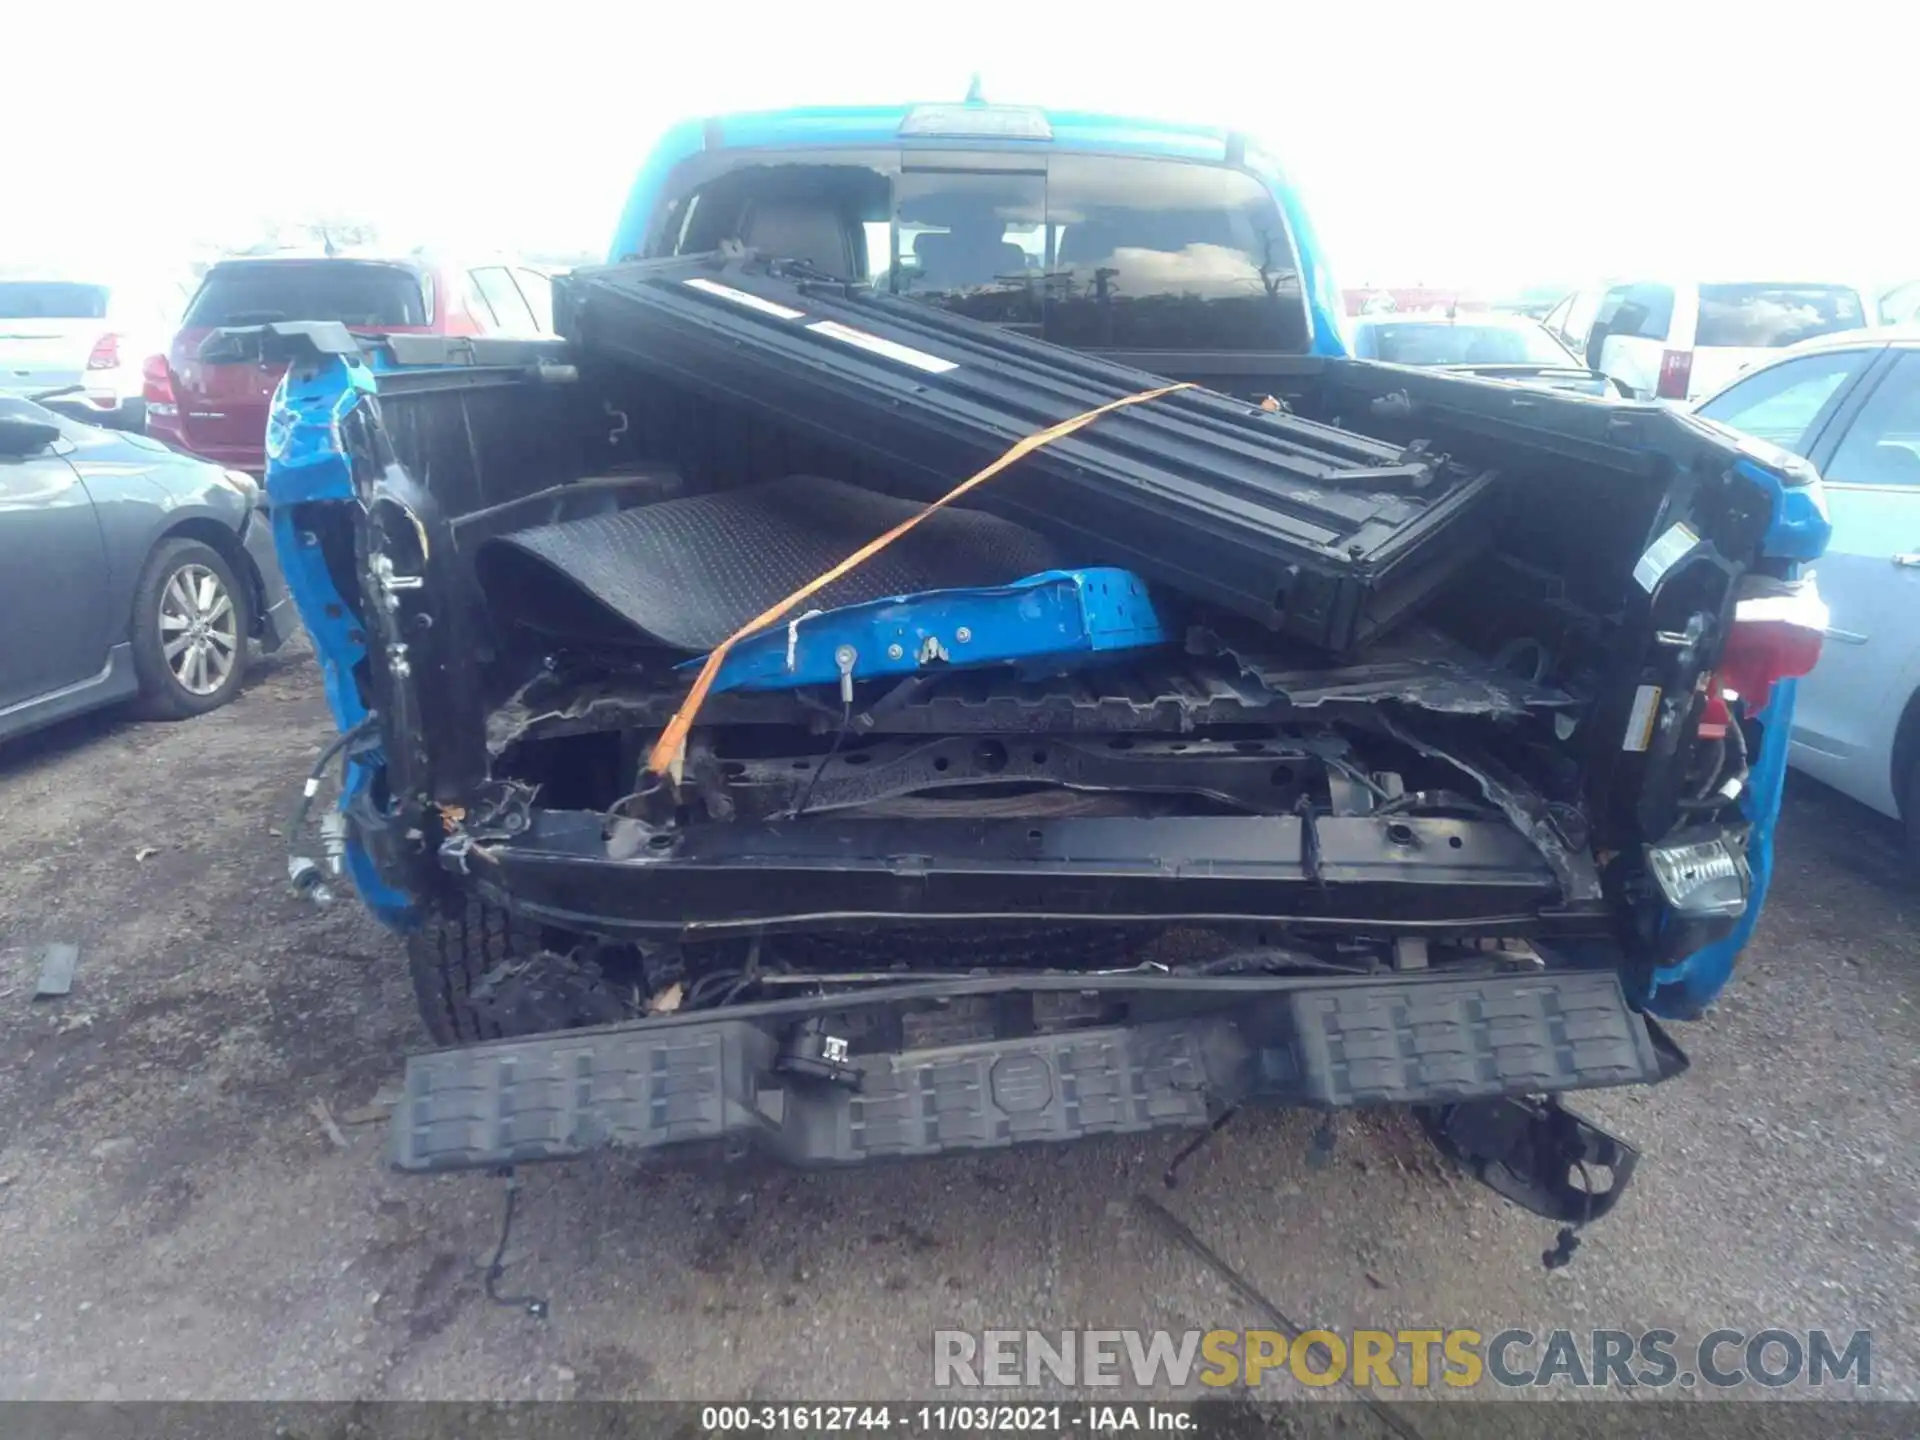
[127,572]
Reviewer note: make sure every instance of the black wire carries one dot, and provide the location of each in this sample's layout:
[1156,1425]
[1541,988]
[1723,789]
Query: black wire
[297,821]
[532,1304]
[1731,765]
[839,739]
[1182,1234]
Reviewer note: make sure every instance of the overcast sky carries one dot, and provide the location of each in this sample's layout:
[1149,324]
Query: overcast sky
[1478,144]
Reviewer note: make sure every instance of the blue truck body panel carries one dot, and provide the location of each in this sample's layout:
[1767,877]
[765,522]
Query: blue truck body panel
[1049,621]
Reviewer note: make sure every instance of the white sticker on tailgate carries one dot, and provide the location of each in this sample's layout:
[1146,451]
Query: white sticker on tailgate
[905,354]
[1673,546]
[741,297]
[1640,719]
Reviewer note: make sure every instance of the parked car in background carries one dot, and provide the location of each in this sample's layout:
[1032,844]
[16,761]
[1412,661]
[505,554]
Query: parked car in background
[83,335]
[1680,340]
[219,411]
[126,572]
[1899,304]
[1533,301]
[1485,342]
[1405,299]
[1851,404]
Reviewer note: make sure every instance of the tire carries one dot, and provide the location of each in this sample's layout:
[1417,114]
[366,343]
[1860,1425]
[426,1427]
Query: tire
[174,606]
[450,955]
[1910,812]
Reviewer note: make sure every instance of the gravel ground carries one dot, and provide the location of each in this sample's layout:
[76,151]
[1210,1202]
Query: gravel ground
[176,1221]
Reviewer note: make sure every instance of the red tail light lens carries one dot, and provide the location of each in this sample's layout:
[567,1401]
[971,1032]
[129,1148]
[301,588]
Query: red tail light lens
[1676,374]
[156,381]
[105,354]
[1776,635]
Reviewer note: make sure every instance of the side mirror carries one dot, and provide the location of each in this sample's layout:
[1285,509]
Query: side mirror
[21,436]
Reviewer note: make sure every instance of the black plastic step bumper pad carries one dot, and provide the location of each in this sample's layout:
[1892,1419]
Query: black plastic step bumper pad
[689,1080]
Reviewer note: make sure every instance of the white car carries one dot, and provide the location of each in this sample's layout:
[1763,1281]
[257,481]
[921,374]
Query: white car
[1851,405]
[1680,340]
[58,332]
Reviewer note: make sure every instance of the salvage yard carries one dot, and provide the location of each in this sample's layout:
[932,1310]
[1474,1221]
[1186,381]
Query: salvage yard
[193,1201]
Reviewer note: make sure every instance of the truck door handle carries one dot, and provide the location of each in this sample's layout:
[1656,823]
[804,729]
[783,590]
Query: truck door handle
[1909,561]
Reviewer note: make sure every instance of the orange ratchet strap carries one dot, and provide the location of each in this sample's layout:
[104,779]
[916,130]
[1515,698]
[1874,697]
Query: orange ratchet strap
[669,751]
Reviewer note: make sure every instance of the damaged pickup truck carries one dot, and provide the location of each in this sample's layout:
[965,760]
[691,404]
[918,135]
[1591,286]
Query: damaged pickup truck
[1275,728]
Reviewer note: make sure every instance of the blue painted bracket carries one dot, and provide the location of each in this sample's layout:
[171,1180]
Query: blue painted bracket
[1046,620]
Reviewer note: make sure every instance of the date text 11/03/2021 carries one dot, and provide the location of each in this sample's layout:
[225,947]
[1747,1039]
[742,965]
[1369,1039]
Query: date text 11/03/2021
[921,1418]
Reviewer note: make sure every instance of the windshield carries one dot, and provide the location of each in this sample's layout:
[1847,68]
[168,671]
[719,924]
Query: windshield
[350,292]
[1773,315]
[51,300]
[1455,342]
[1099,252]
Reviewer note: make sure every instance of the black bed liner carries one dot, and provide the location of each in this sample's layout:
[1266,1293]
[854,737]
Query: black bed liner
[1321,533]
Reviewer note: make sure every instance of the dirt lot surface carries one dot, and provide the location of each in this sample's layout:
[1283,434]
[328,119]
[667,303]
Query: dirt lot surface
[177,1221]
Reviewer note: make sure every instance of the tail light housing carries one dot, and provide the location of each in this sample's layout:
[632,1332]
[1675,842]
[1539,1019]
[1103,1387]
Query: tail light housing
[1778,627]
[1676,374]
[105,354]
[1702,876]
[156,385]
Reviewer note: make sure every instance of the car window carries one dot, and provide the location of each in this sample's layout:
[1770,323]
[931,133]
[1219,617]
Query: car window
[352,292]
[1775,315]
[1786,404]
[1158,255]
[509,307]
[1639,311]
[51,300]
[537,290]
[1102,252]
[1882,446]
[1901,305]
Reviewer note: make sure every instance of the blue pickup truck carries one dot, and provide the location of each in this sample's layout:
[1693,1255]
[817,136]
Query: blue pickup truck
[1324,733]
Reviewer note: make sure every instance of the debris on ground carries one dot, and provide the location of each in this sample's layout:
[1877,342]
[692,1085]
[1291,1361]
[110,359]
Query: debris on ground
[145,853]
[57,964]
[322,1112]
[384,1102]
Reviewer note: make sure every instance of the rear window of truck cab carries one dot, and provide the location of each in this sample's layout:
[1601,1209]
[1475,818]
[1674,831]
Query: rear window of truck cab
[1099,252]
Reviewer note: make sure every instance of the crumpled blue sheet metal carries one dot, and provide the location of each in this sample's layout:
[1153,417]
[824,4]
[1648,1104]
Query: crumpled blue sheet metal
[1046,622]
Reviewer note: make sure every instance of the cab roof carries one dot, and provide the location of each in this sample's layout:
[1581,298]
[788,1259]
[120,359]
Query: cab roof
[1014,126]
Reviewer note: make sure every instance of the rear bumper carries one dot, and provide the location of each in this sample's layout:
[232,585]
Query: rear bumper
[250,458]
[278,618]
[1185,1051]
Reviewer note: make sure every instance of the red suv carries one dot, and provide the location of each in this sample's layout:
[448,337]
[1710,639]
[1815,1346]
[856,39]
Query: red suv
[219,411]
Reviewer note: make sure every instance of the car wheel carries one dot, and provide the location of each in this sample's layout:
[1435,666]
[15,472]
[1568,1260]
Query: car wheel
[451,954]
[191,618]
[1910,811]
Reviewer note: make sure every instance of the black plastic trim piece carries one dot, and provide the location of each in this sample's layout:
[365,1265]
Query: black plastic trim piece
[716,1079]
